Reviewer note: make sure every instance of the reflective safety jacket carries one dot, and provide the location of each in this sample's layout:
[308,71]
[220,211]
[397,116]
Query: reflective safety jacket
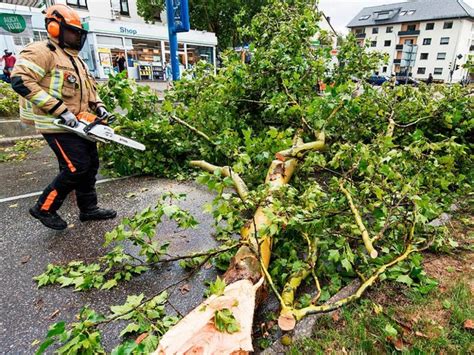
[51,80]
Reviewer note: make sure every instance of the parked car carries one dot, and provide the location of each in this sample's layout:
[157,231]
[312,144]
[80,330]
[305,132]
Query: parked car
[402,80]
[378,79]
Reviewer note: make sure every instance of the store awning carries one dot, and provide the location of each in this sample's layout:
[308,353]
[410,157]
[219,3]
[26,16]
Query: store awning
[30,3]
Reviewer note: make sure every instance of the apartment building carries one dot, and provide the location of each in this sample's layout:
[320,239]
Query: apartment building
[115,29]
[421,37]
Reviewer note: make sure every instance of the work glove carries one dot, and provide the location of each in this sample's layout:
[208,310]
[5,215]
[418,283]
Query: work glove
[69,119]
[102,112]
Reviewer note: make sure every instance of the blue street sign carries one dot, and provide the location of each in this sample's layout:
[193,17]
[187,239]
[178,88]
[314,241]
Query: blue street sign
[178,21]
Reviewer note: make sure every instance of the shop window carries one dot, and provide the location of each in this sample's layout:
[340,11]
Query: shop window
[444,40]
[197,53]
[438,71]
[124,9]
[426,41]
[387,43]
[421,71]
[82,4]
[430,26]
[389,29]
[424,56]
[448,25]
[441,56]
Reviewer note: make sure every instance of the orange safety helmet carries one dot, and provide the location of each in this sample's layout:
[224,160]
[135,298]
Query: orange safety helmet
[60,17]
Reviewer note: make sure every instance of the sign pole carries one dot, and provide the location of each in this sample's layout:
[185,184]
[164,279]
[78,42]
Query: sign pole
[178,21]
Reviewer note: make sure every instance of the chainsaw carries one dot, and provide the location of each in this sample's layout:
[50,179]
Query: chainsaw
[95,129]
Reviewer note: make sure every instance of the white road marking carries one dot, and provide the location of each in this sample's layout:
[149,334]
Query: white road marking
[32,194]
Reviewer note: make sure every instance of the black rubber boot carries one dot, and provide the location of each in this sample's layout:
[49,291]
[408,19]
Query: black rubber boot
[49,219]
[97,214]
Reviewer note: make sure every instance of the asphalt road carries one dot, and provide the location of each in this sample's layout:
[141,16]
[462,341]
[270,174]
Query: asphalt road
[28,247]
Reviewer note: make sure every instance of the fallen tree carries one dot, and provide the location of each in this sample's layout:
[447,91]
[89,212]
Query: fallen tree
[352,203]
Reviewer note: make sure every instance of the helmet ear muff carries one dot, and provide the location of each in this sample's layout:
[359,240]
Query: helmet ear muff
[54,29]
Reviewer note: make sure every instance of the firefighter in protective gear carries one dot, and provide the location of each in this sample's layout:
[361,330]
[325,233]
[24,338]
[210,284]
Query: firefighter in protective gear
[54,82]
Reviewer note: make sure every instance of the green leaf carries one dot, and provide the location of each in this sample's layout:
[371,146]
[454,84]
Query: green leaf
[217,287]
[390,330]
[225,321]
[109,284]
[405,279]
[131,328]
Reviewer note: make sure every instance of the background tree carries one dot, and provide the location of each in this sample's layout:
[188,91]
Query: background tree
[222,17]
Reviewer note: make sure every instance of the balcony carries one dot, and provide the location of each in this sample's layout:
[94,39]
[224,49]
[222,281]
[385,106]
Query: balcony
[397,61]
[399,47]
[361,35]
[409,33]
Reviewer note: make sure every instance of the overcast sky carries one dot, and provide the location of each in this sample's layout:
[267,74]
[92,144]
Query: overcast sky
[342,11]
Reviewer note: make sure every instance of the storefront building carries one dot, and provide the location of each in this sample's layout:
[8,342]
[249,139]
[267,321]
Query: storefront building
[144,47]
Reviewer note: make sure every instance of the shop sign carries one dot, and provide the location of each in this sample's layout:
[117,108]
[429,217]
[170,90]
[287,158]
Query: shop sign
[15,24]
[128,31]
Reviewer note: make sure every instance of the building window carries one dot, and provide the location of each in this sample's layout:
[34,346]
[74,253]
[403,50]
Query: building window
[366,17]
[375,30]
[384,69]
[389,29]
[430,26]
[411,12]
[441,56]
[444,40]
[387,43]
[403,13]
[448,25]
[373,44]
[21,40]
[124,10]
[424,56]
[421,71]
[411,28]
[40,36]
[408,41]
[82,4]
[438,71]
[359,31]
[426,41]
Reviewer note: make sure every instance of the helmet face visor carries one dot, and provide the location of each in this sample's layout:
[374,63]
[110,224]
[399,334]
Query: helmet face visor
[72,36]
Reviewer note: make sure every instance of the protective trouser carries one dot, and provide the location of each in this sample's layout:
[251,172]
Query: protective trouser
[78,166]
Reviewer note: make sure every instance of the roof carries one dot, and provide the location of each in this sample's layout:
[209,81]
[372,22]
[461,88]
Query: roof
[424,10]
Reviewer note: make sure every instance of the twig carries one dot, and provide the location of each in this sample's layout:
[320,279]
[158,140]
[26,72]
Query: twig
[195,130]
[365,234]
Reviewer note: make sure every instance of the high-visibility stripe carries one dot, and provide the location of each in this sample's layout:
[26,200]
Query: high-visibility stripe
[49,200]
[69,163]
[41,98]
[57,81]
[30,65]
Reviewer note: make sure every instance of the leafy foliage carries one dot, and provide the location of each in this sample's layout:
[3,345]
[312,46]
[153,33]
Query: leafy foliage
[225,321]
[146,318]
[403,153]
[8,101]
[20,150]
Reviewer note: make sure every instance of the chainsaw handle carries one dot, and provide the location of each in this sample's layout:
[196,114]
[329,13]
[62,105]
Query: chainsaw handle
[97,121]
